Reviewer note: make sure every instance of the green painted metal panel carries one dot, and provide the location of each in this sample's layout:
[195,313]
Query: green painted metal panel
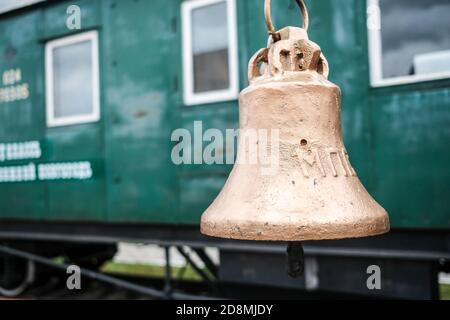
[395,136]
[20,120]
[140,45]
[200,183]
[411,156]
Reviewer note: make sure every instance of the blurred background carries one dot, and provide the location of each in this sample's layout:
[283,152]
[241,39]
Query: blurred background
[93,89]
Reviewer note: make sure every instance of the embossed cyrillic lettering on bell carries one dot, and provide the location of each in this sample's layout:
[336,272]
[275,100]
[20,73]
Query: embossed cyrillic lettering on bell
[324,162]
[309,159]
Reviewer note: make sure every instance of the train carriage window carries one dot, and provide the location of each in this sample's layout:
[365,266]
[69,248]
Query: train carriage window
[209,51]
[72,80]
[408,40]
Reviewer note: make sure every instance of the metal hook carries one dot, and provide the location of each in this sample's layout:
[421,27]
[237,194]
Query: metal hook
[271,29]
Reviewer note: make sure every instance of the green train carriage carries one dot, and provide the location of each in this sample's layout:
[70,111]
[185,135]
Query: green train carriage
[87,116]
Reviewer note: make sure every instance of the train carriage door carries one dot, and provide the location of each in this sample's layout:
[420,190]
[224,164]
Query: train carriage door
[140,45]
[73,170]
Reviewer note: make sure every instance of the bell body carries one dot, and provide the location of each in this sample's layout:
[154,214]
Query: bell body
[309,190]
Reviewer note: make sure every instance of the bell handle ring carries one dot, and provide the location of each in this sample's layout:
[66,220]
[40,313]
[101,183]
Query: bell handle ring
[269,24]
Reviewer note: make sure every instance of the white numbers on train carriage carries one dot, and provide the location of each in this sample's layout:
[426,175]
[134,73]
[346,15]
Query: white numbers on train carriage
[46,172]
[65,171]
[22,173]
[20,150]
[13,89]
[11,77]
[31,150]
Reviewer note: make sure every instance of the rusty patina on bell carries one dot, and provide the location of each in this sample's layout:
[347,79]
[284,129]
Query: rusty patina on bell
[315,193]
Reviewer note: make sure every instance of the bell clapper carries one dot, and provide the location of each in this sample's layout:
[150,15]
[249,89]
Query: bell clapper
[295,259]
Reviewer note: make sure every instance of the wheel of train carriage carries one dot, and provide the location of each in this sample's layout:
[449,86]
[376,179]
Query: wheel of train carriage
[16,275]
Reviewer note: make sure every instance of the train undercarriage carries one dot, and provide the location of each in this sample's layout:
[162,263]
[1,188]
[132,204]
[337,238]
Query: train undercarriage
[409,261]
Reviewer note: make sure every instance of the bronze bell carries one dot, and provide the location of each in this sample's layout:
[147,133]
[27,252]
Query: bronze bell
[315,193]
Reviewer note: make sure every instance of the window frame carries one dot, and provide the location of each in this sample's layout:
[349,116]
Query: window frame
[232,92]
[373,11]
[94,116]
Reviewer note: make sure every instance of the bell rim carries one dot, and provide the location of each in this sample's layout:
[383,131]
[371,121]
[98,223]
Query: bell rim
[292,232]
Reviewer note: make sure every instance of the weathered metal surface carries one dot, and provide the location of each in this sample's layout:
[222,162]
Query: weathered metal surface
[139,110]
[313,193]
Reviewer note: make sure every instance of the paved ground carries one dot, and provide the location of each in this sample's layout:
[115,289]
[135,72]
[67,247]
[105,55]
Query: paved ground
[154,255]
[444,278]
